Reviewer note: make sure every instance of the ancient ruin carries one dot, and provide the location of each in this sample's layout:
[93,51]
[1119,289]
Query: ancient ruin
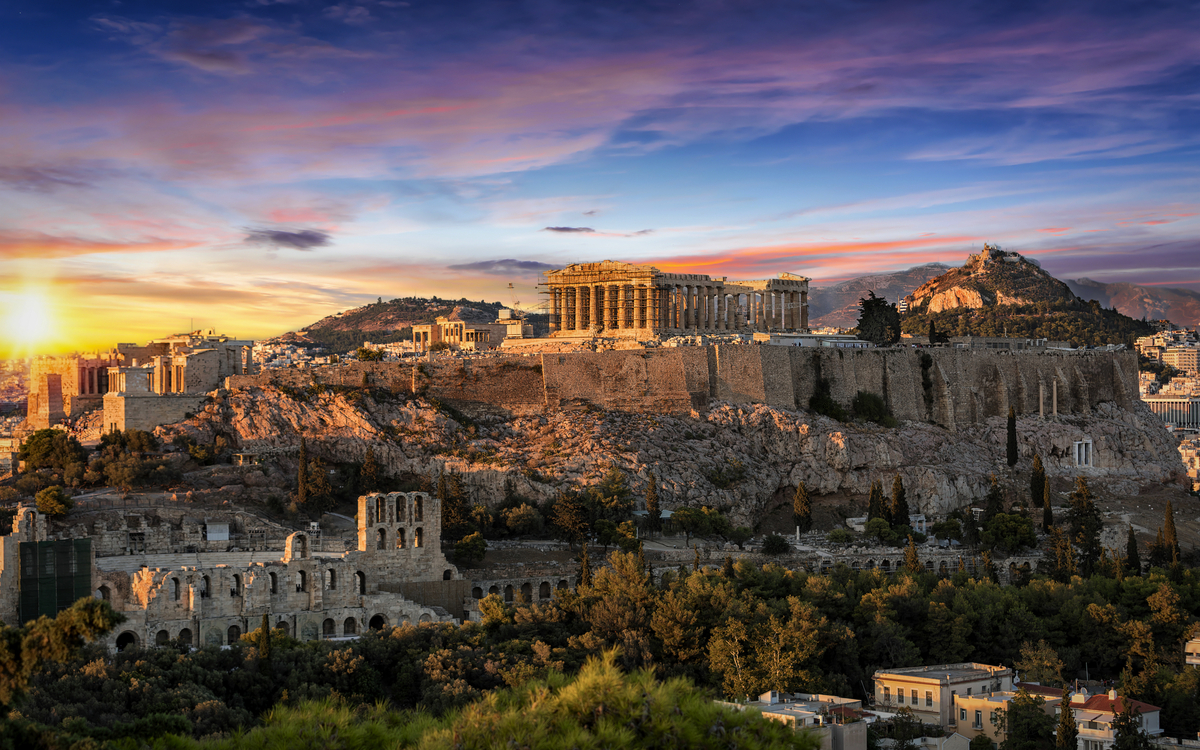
[611,298]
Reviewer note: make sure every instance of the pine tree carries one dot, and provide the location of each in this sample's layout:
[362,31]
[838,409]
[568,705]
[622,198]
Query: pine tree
[641,558]
[1047,512]
[995,501]
[1086,524]
[1037,482]
[1012,437]
[696,562]
[369,473]
[1158,556]
[970,528]
[989,567]
[1133,563]
[802,509]
[727,567]
[264,639]
[653,512]
[1169,538]
[900,511]
[585,569]
[912,561]
[1066,735]
[302,478]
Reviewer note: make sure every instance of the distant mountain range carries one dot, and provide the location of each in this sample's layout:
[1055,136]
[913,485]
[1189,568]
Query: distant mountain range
[1180,306]
[837,305]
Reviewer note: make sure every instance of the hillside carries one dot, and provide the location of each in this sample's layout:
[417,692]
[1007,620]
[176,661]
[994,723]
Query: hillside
[998,293]
[1180,306]
[384,322]
[837,305]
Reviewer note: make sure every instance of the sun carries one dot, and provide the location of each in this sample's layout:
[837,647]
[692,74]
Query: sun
[28,320]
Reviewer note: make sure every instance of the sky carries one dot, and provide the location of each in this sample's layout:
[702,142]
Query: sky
[252,166]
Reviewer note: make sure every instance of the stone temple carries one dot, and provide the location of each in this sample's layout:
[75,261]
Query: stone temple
[617,299]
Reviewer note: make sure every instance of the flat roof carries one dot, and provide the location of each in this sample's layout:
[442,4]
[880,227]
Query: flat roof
[955,672]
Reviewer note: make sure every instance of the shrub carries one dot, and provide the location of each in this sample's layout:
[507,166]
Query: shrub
[51,449]
[774,544]
[840,536]
[52,502]
[872,408]
[523,519]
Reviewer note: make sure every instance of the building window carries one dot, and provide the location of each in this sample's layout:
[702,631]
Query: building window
[900,696]
[928,697]
[1083,453]
[978,720]
[914,697]
[968,691]
[962,714]
[992,718]
[887,695]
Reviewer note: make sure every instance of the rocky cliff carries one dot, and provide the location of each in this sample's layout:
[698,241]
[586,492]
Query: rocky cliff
[742,457]
[992,277]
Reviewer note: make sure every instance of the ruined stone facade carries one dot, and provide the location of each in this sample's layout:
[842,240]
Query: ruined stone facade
[213,598]
[456,334]
[621,299]
[62,388]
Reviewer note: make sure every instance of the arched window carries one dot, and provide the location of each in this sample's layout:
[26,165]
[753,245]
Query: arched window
[301,546]
[378,622]
[350,626]
[544,590]
[205,588]
[508,593]
[104,593]
[417,534]
[236,589]
[380,509]
[234,634]
[162,638]
[526,592]
[282,625]
[418,510]
[274,584]
[381,539]
[331,579]
[360,582]
[447,575]
[401,509]
[477,592]
[302,582]
[328,628]
[175,589]
[399,538]
[493,590]
[562,586]
[185,637]
[425,618]
[125,640]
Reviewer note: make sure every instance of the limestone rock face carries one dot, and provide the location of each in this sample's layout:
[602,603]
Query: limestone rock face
[955,297]
[739,456]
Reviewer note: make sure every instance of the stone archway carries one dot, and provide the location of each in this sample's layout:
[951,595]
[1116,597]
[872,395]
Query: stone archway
[378,622]
[328,628]
[125,640]
[234,633]
[162,638]
[544,590]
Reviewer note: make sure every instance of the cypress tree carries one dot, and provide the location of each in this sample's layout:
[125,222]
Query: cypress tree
[1169,538]
[653,512]
[727,567]
[1133,562]
[302,479]
[989,567]
[1047,512]
[995,501]
[1037,482]
[1158,551]
[585,569]
[875,505]
[912,561]
[1012,437]
[1066,735]
[369,473]
[802,509]
[641,558]
[696,562]
[900,511]
[1086,524]
[264,639]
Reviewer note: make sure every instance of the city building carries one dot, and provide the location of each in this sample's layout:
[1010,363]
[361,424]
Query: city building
[930,691]
[1191,653]
[799,338]
[839,723]
[617,299]
[1094,717]
[982,713]
[1178,411]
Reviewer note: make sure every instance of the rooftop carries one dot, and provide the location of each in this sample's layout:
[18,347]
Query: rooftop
[953,672]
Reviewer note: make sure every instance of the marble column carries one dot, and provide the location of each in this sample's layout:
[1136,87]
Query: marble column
[804,309]
[685,307]
[622,301]
[721,310]
[555,310]
[593,319]
[777,299]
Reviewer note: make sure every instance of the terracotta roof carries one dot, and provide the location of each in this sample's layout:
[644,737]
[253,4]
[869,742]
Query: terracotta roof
[1035,689]
[1104,703]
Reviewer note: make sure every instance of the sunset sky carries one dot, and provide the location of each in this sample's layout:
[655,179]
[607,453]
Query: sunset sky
[253,166]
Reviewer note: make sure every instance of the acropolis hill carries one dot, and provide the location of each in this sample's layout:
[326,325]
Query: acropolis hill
[689,414]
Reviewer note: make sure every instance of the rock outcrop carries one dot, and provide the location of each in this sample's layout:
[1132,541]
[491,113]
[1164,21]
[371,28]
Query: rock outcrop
[736,456]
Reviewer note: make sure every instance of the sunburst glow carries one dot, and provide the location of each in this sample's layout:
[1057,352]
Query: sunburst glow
[29,323]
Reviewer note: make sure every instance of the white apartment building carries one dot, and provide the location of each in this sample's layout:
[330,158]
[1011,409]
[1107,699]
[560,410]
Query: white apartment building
[930,691]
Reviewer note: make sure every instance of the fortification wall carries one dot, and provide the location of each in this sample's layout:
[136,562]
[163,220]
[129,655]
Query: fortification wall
[145,412]
[949,387]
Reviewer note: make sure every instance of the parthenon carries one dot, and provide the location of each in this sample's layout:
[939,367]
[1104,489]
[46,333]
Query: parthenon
[611,298]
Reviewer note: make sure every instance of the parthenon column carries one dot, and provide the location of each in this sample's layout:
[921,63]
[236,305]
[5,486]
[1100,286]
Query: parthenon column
[777,299]
[582,304]
[685,298]
[593,306]
[720,310]
[622,300]
[555,310]
[804,309]
[710,299]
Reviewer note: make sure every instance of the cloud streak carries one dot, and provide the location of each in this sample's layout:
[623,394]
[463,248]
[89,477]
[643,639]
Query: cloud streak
[299,239]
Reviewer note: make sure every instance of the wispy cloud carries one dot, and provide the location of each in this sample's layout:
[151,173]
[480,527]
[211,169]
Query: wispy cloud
[506,267]
[299,239]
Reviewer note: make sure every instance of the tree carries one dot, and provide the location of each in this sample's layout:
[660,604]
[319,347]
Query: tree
[585,569]
[980,742]
[1012,437]
[900,511]
[936,337]
[802,509]
[470,549]
[1169,538]
[1085,525]
[875,505]
[989,567]
[1133,562]
[53,502]
[302,477]
[1037,481]
[1127,729]
[774,544]
[1026,725]
[23,650]
[369,473]
[264,640]
[51,449]
[1040,663]
[1066,734]
[653,511]
[912,561]
[879,321]
[1009,533]
[692,522]
[364,354]
[570,517]
[1047,511]
[994,504]
[970,528]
